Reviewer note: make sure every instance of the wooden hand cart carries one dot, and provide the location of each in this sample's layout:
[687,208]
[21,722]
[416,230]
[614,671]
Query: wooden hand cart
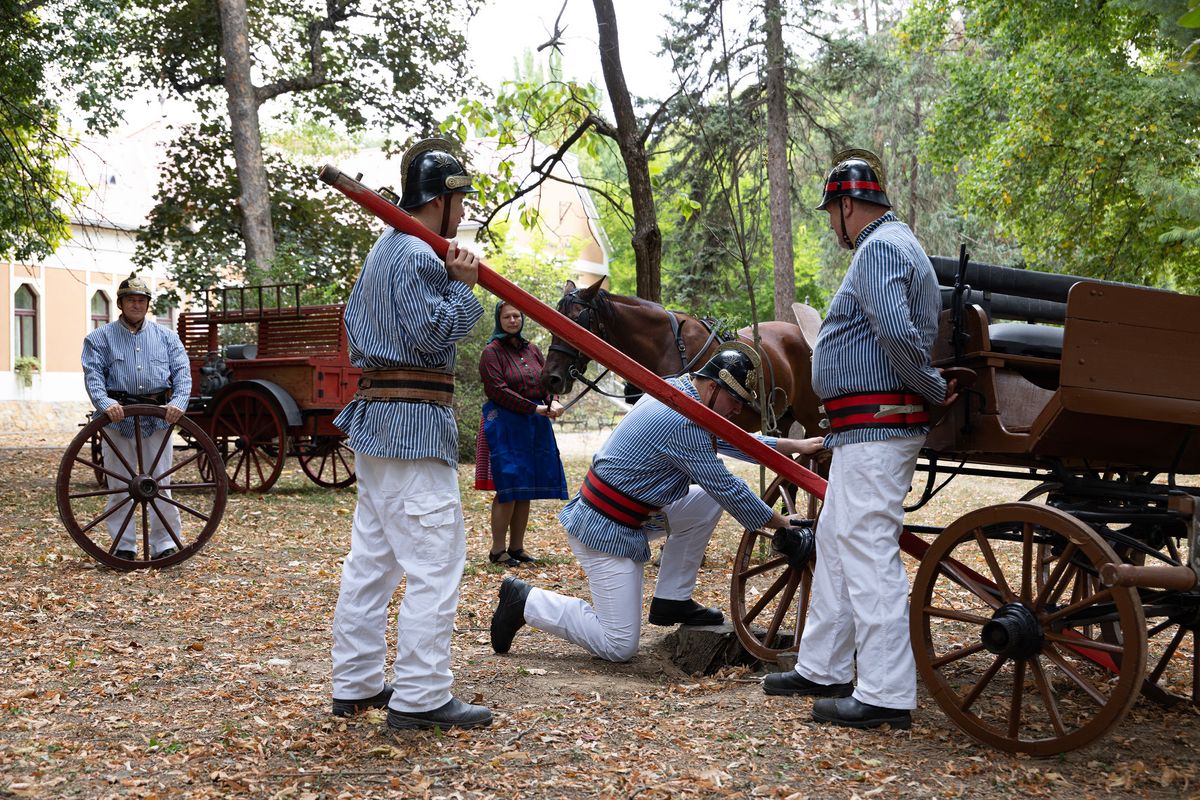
[276,391]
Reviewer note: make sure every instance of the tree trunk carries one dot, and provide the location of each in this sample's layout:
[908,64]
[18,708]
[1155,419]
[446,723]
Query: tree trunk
[647,238]
[778,169]
[914,170]
[255,199]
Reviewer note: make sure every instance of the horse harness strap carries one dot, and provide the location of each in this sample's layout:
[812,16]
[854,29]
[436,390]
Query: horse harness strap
[680,345]
[610,502]
[414,385]
[875,410]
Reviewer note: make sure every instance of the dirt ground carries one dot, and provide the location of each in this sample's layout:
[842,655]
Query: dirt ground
[211,679]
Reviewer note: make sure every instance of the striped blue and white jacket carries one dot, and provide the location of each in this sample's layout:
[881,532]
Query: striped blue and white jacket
[115,359]
[405,312]
[878,335]
[653,456]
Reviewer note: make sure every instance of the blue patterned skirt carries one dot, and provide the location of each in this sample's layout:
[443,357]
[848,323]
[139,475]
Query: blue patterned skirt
[524,459]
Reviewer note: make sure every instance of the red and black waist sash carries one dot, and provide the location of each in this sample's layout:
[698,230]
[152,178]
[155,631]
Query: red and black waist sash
[876,410]
[611,502]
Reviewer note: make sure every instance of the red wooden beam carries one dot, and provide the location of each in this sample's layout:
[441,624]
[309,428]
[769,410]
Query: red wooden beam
[582,339]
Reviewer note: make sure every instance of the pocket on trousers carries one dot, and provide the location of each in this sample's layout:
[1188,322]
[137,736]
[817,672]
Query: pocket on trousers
[436,530]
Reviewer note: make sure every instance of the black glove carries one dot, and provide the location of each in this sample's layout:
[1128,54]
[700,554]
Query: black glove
[798,544]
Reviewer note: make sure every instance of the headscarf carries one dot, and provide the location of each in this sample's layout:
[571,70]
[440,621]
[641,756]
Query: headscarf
[500,333]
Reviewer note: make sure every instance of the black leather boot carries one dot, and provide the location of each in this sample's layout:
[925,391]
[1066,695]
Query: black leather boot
[509,616]
[683,612]
[346,708]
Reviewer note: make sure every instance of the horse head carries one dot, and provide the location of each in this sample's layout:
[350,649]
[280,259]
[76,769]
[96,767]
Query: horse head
[585,307]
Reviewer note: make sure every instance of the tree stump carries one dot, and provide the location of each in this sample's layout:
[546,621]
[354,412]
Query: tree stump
[704,650]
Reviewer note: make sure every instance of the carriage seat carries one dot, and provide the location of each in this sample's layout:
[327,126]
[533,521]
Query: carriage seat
[1023,339]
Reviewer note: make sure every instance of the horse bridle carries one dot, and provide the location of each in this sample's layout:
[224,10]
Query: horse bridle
[584,320]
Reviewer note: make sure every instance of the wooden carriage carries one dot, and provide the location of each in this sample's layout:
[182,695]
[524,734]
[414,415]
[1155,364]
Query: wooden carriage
[276,391]
[1037,623]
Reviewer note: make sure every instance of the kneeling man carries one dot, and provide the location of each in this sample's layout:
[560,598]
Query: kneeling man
[644,472]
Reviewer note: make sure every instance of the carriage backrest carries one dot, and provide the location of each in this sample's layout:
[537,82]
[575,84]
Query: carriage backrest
[196,333]
[1131,343]
[317,331]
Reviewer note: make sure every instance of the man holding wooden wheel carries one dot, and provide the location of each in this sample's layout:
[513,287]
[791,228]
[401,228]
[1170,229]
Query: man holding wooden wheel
[130,362]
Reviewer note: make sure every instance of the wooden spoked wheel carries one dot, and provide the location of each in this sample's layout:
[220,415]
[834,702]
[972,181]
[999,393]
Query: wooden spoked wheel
[1173,663]
[141,494]
[769,597]
[327,461]
[98,459]
[1173,621]
[1000,647]
[251,435]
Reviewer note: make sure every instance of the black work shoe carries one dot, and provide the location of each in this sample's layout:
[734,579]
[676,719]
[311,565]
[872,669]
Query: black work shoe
[683,612]
[170,551]
[509,616]
[346,708]
[128,555]
[851,713]
[454,714]
[793,684]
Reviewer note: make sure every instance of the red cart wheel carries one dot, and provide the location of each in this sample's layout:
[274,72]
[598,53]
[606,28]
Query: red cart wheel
[251,434]
[327,461]
[768,596]
[144,491]
[1000,647]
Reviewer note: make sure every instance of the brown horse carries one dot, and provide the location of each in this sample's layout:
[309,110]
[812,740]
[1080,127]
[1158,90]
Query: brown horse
[651,336]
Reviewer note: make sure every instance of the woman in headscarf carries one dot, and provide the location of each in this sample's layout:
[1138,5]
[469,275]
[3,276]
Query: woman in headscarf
[516,454]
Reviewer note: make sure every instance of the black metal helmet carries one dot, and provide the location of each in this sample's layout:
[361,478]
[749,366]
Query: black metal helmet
[858,173]
[430,169]
[133,285]
[735,367]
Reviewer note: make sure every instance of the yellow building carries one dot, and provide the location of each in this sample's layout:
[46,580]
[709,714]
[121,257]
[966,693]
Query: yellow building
[50,305]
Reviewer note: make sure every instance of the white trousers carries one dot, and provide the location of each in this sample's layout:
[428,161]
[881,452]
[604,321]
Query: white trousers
[408,523]
[125,453]
[611,626]
[860,589]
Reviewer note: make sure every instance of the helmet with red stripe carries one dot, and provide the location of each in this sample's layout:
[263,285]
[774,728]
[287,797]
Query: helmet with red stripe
[858,174]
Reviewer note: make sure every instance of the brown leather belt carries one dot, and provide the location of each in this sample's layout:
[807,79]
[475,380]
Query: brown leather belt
[413,385]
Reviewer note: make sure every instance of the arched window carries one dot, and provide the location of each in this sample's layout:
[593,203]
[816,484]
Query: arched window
[25,322]
[101,310]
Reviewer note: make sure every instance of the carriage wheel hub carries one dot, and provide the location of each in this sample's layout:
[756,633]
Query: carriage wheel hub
[143,487]
[1012,632]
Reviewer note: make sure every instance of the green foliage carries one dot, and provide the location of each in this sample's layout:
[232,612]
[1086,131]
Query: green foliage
[530,118]
[34,193]
[24,367]
[195,225]
[1074,131]
[371,64]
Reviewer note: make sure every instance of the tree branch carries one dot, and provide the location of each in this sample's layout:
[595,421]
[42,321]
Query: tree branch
[336,12]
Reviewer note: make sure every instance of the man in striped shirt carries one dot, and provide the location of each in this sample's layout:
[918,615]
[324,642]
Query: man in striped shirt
[649,464]
[405,314]
[129,362]
[871,368]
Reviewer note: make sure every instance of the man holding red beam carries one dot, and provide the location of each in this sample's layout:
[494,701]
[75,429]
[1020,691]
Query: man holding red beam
[657,474]
[405,314]
[871,368]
